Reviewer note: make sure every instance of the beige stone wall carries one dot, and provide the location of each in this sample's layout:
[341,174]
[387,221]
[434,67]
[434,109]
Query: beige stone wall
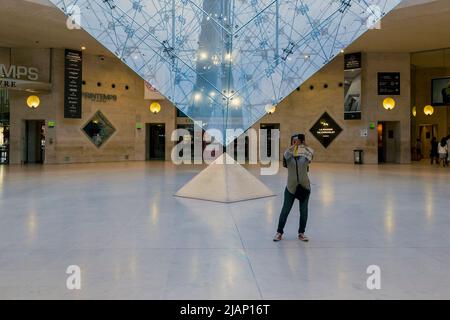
[127,143]
[5,56]
[67,143]
[19,111]
[373,104]
[299,111]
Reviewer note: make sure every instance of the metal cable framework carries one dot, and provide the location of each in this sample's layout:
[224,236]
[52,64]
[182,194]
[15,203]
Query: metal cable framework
[222,62]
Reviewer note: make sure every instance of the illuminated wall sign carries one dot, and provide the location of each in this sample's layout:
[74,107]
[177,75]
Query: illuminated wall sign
[15,77]
[99,97]
[326,130]
[19,72]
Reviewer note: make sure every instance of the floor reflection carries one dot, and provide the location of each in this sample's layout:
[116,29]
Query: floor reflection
[133,239]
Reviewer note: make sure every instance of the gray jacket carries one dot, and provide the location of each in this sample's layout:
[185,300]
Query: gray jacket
[298,170]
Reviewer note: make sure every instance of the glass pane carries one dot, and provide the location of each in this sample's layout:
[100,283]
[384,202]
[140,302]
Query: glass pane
[222,62]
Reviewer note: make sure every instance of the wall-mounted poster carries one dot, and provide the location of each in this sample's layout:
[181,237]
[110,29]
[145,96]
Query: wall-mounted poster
[326,130]
[388,83]
[73,79]
[352,86]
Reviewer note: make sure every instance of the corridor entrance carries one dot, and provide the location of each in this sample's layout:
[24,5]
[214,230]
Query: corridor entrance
[34,142]
[389,142]
[155,141]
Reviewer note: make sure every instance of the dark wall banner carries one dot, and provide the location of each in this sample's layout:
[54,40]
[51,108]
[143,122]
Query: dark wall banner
[388,83]
[73,79]
[352,86]
[353,61]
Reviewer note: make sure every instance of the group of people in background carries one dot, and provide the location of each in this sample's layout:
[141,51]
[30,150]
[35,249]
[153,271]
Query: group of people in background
[440,151]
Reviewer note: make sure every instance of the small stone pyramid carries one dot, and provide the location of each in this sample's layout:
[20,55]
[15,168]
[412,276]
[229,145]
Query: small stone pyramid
[225,181]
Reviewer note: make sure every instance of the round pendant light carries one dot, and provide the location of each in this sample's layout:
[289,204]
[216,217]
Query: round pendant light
[428,110]
[33,102]
[389,104]
[155,107]
[270,109]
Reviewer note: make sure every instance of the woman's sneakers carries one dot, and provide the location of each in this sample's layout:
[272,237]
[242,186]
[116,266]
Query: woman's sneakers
[302,237]
[278,237]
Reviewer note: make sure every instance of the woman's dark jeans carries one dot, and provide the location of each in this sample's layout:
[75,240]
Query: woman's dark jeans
[302,194]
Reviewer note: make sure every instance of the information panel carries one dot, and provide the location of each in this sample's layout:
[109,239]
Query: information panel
[388,83]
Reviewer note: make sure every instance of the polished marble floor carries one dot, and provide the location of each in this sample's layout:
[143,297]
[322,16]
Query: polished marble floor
[133,240]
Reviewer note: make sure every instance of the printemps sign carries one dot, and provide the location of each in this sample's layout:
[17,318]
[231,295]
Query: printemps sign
[18,72]
[16,77]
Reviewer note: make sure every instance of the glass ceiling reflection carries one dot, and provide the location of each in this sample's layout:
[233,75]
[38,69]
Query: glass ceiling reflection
[225,62]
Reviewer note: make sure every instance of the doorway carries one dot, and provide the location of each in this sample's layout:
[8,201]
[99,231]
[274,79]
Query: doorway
[4,144]
[4,126]
[188,138]
[426,133]
[155,141]
[269,127]
[34,142]
[389,142]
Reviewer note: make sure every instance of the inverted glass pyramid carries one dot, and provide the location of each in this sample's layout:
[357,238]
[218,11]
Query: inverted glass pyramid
[223,62]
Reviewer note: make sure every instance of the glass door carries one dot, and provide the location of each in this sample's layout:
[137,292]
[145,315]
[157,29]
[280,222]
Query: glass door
[156,141]
[4,126]
[35,142]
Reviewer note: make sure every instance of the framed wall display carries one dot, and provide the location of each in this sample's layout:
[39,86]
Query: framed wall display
[352,86]
[440,91]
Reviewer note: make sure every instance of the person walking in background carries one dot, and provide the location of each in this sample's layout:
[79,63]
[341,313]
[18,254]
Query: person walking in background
[419,149]
[297,159]
[434,155]
[443,151]
[448,150]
